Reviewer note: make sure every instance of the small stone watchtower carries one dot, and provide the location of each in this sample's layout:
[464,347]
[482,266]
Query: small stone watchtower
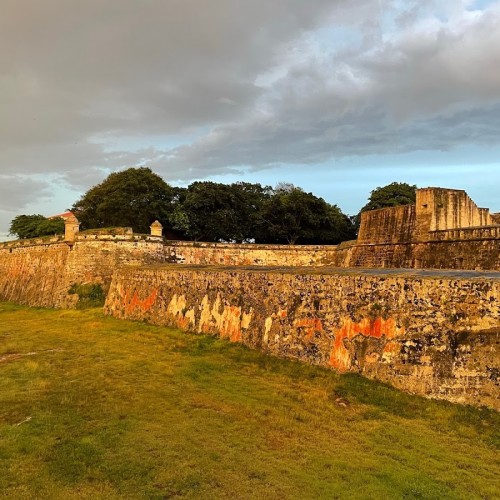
[156,229]
[71,228]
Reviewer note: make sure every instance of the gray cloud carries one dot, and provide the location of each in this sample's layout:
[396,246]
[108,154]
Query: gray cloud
[73,74]
[144,67]
[434,87]
[90,87]
[17,193]
[20,191]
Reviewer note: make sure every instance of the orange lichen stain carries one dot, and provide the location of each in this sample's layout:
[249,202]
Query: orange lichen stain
[230,325]
[182,322]
[134,302]
[180,314]
[310,326]
[391,348]
[375,328]
[282,313]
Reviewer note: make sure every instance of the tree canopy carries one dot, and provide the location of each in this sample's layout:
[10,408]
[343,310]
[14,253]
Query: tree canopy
[219,212]
[392,195]
[292,215]
[33,226]
[250,212]
[213,211]
[132,198]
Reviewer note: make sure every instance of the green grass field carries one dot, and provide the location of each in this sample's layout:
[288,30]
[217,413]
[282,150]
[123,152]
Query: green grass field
[93,407]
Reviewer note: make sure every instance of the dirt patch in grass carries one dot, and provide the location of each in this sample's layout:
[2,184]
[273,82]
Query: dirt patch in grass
[18,355]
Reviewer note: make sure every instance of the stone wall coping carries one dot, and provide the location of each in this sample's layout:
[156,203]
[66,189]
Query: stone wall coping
[248,246]
[32,242]
[389,209]
[116,237]
[79,237]
[471,228]
[458,274]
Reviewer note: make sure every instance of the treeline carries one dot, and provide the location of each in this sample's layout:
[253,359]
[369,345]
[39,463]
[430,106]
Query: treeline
[33,226]
[210,211]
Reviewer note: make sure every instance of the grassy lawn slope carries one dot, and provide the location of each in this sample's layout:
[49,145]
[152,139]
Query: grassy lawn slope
[94,407]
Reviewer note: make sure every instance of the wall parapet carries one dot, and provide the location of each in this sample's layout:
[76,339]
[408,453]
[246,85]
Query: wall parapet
[134,237]
[469,233]
[40,241]
[247,246]
[238,254]
[80,237]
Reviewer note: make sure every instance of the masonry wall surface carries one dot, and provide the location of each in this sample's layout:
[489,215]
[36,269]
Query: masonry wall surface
[477,254]
[437,337]
[230,254]
[34,274]
[440,209]
[41,272]
[95,260]
[474,249]
[438,214]
[394,225]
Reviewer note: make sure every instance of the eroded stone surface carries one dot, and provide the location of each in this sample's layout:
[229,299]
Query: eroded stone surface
[41,272]
[434,336]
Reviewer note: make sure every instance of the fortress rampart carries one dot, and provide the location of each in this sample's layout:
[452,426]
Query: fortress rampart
[434,336]
[387,225]
[40,272]
[436,210]
[444,230]
[230,254]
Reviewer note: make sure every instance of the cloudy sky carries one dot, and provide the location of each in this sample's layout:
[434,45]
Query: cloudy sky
[335,96]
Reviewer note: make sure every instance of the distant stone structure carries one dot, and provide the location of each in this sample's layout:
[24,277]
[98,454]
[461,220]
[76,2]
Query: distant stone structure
[438,214]
[156,229]
[71,228]
[433,335]
[445,229]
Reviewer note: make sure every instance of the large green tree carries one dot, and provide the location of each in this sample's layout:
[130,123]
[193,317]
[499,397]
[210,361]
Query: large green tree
[131,198]
[33,226]
[213,211]
[294,216]
[392,195]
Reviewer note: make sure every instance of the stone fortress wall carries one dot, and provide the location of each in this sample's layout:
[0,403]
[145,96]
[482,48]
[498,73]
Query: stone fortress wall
[444,230]
[230,254]
[436,210]
[40,272]
[437,336]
